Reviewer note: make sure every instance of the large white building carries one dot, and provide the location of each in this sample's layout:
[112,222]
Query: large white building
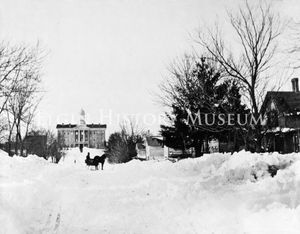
[87,135]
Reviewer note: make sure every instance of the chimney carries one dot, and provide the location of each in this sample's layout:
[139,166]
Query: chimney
[295,85]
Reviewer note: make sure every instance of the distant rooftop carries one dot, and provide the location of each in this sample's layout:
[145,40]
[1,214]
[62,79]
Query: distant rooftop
[154,141]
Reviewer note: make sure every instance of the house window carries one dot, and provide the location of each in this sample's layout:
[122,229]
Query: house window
[296,143]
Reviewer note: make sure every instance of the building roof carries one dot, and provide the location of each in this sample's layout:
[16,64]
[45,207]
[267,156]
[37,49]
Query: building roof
[66,125]
[286,102]
[154,141]
[96,125]
[39,139]
[75,125]
[35,137]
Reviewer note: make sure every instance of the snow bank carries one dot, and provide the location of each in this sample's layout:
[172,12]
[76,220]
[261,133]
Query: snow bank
[217,193]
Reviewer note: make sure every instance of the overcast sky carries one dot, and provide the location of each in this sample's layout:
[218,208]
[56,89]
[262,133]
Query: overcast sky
[109,56]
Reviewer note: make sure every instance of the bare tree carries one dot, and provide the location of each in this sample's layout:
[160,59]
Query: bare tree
[295,45]
[180,77]
[13,61]
[130,129]
[256,31]
[3,129]
[11,121]
[23,100]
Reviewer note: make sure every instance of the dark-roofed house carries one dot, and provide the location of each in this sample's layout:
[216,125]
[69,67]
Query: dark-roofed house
[87,135]
[282,112]
[35,144]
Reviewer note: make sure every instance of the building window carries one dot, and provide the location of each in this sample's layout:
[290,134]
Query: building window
[76,136]
[86,137]
[81,135]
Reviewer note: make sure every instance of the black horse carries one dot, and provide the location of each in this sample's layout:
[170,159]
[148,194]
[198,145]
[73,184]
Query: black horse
[95,161]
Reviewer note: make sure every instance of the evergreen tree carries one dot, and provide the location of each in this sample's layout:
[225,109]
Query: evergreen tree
[204,96]
[178,134]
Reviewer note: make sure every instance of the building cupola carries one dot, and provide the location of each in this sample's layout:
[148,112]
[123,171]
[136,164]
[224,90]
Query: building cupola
[82,117]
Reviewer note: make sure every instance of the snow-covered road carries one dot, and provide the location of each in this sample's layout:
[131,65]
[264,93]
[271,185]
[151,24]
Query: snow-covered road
[214,194]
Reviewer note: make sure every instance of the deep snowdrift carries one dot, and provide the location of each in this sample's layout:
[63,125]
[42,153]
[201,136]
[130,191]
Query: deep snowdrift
[217,193]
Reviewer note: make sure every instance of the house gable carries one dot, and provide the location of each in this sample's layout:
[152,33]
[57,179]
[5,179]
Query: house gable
[284,102]
[287,107]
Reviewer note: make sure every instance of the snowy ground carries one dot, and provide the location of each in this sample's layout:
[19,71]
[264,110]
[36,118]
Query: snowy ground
[214,194]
